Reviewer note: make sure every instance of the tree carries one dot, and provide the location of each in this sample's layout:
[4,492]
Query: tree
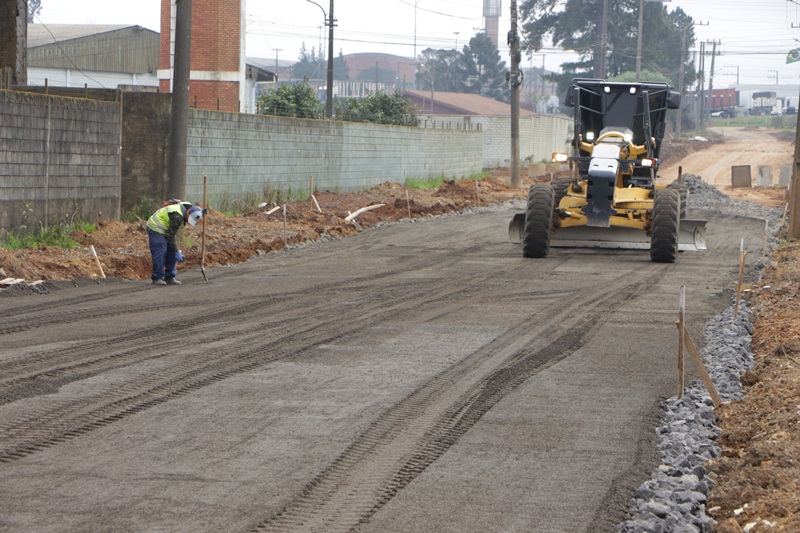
[442,70]
[378,75]
[340,70]
[378,107]
[576,25]
[310,65]
[486,69]
[476,69]
[290,100]
[34,8]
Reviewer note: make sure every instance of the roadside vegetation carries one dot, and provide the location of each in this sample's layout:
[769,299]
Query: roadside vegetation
[58,235]
[782,122]
[300,101]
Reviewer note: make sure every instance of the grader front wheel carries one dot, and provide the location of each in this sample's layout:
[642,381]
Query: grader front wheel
[666,226]
[538,221]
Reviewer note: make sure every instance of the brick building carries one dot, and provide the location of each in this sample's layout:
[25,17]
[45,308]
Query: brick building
[217,79]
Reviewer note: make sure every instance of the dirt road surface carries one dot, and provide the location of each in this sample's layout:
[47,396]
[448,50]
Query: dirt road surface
[739,146]
[421,377]
[416,377]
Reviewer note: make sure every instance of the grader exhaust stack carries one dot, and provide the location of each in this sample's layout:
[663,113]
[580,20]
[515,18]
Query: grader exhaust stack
[612,200]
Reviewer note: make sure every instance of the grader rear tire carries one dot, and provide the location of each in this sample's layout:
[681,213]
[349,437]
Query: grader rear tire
[560,189]
[683,189]
[666,225]
[538,221]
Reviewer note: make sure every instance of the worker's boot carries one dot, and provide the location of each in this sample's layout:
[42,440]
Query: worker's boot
[172,281]
[159,282]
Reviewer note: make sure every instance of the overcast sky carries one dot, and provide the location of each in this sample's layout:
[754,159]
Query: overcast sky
[755,35]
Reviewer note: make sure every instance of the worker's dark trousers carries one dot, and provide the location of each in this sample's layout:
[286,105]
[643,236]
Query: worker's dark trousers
[163,257]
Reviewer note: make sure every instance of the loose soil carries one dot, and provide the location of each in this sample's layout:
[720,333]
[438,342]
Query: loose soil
[758,474]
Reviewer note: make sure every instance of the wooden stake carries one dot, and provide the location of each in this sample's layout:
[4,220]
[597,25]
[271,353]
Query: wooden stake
[203,232]
[284,223]
[478,192]
[408,204]
[701,369]
[316,203]
[681,334]
[97,260]
[742,260]
[766,235]
[311,189]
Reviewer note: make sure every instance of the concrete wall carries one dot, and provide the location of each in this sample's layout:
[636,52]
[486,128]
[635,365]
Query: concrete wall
[243,154]
[59,159]
[72,158]
[146,120]
[539,135]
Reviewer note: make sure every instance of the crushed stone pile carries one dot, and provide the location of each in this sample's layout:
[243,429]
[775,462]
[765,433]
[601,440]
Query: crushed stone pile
[674,498]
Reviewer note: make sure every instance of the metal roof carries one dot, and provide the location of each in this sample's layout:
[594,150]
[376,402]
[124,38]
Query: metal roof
[40,34]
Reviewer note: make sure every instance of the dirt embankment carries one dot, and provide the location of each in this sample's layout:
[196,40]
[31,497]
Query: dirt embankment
[123,250]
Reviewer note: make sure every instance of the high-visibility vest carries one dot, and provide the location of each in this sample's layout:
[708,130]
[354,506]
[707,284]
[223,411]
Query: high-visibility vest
[159,221]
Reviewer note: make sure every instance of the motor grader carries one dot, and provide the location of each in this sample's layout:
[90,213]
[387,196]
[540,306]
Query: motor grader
[610,199]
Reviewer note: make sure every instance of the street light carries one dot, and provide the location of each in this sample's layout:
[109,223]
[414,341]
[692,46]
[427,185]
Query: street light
[330,22]
[639,36]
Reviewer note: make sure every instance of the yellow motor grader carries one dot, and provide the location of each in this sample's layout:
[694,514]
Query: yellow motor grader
[611,199]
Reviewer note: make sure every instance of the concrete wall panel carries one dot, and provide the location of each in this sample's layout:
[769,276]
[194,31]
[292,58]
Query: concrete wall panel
[61,159]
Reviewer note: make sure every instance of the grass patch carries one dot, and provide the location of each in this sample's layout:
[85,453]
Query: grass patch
[231,206]
[59,236]
[141,211]
[478,177]
[787,122]
[430,183]
[433,183]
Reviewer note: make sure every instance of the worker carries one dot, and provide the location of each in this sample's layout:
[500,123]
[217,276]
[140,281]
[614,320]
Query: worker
[162,229]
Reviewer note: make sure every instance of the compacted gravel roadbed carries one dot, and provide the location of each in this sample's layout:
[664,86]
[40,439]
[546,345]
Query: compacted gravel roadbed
[416,377]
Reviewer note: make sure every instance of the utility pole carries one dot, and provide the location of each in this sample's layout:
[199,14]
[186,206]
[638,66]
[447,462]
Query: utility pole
[13,43]
[680,80]
[276,64]
[737,71]
[329,92]
[711,76]
[179,136]
[794,188]
[514,80]
[604,41]
[702,86]
[639,42]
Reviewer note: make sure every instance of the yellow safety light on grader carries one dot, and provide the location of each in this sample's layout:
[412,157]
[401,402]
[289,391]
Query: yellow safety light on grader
[612,200]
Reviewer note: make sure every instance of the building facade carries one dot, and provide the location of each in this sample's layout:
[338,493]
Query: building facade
[217,78]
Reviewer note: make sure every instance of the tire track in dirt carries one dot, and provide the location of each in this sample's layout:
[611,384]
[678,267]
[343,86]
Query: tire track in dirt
[242,352]
[418,430]
[79,360]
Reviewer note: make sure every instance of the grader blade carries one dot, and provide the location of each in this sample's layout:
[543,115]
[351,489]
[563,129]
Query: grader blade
[691,237]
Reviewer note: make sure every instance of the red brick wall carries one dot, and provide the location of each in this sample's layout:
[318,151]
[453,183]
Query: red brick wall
[216,39]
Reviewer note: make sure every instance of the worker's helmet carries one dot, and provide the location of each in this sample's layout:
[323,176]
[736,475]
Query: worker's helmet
[194,214]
